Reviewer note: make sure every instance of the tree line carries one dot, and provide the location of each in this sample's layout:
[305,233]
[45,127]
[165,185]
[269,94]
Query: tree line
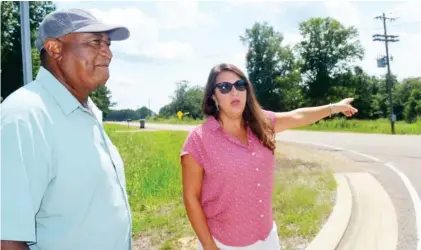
[321,68]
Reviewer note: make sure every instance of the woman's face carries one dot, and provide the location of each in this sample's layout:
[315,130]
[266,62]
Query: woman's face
[230,94]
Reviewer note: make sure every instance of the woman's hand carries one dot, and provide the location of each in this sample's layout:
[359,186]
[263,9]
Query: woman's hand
[345,107]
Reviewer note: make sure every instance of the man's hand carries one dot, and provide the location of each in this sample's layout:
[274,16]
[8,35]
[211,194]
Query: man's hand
[345,107]
[13,245]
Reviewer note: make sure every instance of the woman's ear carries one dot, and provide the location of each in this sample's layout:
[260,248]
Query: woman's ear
[214,99]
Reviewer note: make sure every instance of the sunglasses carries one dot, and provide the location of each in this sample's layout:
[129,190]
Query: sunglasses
[226,87]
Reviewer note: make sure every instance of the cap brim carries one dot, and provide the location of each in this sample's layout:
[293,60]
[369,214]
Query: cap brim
[115,33]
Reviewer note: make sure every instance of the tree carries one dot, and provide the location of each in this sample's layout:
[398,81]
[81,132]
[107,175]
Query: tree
[11,51]
[270,67]
[126,114]
[354,82]
[102,99]
[144,112]
[408,99]
[186,99]
[380,103]
[413,106]
[327,50]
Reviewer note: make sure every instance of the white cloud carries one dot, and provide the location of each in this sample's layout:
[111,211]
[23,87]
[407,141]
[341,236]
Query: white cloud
[344,11]
[182,14]
[291,39]
[171,51]
[239,60]
[408,11]
[405,62]
[135,84]
[144,41]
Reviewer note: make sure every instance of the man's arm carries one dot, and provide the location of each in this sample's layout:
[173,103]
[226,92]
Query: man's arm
[305,116]
[13,245]
[25,174]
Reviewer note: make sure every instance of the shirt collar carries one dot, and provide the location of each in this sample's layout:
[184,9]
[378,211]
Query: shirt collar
[67,102]
[212,123]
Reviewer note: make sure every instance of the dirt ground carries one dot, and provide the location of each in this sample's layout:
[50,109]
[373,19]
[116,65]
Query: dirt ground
[330,158]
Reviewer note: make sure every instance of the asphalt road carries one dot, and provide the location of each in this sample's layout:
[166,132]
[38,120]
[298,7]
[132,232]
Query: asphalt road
[394,160]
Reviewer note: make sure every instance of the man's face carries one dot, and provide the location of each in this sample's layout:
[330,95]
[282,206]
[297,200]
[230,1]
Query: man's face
[85,58]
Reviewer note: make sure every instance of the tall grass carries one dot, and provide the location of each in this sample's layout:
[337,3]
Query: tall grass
[381,126]
[302,198]
[153,174]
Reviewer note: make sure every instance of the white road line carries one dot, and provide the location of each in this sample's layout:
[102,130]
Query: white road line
[412,192]
[415,200]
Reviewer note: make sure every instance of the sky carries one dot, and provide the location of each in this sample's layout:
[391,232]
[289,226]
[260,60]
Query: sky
[172,41]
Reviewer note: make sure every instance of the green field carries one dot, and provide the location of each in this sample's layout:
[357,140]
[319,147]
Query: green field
[302,196]
[380,126]
[175,120]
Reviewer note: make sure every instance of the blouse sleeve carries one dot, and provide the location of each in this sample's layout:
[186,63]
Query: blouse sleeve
[193,146]
[271,116]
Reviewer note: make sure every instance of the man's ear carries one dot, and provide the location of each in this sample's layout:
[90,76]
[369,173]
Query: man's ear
[54,48]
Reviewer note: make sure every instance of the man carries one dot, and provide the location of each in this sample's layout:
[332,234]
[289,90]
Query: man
[62,180]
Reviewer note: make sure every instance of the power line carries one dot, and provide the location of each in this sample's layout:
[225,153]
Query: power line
[386,61]
[405,24]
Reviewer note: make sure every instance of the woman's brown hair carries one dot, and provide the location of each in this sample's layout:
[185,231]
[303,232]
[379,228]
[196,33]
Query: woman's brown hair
[253,114]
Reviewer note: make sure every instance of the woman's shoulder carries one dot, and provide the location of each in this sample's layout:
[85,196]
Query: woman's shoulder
[201,130]
[270,115]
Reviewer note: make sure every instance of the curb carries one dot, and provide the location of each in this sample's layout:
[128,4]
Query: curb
[334,229]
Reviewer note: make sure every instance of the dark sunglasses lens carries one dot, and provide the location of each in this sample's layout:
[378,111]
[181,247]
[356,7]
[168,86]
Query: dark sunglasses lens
[240,85]
[225,87]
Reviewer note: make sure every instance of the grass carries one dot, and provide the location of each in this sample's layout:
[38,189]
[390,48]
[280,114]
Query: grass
[111,128]
[380,126]
[175,120]
[302,200]
[153,180]
[302,195]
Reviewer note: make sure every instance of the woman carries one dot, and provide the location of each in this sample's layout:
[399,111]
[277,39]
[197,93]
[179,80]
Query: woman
[228,163]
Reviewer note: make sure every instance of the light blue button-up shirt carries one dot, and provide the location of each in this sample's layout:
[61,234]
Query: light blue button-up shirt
[62,179]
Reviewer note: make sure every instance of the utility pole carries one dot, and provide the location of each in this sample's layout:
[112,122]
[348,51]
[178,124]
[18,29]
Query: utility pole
[26,42]
[386,39]
[149,107]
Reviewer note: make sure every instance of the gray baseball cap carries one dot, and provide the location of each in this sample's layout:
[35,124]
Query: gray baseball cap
[63,22]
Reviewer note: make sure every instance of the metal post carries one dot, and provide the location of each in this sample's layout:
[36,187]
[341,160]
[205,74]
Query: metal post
[389,80]
[386,39]
[26,42]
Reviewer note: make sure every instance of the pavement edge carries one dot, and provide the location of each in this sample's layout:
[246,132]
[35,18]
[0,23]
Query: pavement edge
[335,227]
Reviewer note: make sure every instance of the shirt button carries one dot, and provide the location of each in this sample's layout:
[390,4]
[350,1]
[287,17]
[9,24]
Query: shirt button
[257,169]
[253,154]
[260,201]
[261,216]
[258,184]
